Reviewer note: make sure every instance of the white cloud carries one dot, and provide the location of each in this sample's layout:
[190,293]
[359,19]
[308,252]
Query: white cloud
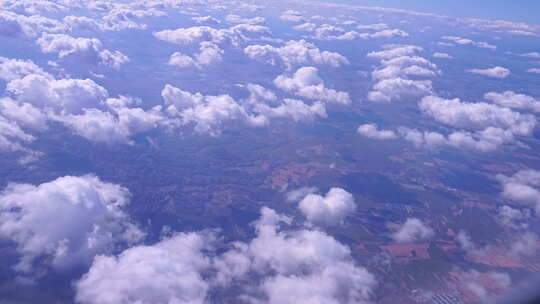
[331,32]
[534,71]
[442,56]
[180,60]
[305,27]
[277,259]
[295,266]
[11,69]
[465,242]
[64,95]
[392,51]
[15,25]
[514,100]
[389,33]
[476,116]
[231,18]
[23,114]
[294,109]
[372,131]
[514,218]
[524,245]
[535,55]
[13,139]
[206,19]
[295,53]
[122,18]
[306,83]
[292,16]
[297,195]
[166,272]
[398,89]
[486,140]
[89,50]
[374,27]
[495,72]
[330,209]
[209,53]
[207,113]
[81,105]
[412,230]
[234,35]
[484,285]
[405,66]
[32,7]
[522,187]
[68,220]
[114,126]
[465,41]
[398,63]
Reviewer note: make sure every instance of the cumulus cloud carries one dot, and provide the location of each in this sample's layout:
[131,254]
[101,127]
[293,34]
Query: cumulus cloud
[292,16]
[116,125]
[207,113]
[372,131]
[297,195]
[442,56]
[166,272]
[211,42]
[11,69]
[294,109]
[514,218]
[398,89]
[398,64]
[197,34]
[524,245]
[393,51]
[465,41]
[24,115]
[486,140]
[481,127]
[278,258]
[388,33]
[412,230]
[290,263]
[122,18]
[81,105]
[375,27]
[495,72]
[232,18]
[89,50]
[295,53]
[206,19]
[476,116]
[64,95]
[16,25]
[13,138]
[305,27]
[514,100]
[332,32]
[69,220]
[209,53]
[486,284]
[330,209]
[305,82]
[522,187]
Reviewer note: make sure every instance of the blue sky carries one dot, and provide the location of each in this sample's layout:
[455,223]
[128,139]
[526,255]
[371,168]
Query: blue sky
[524,10]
